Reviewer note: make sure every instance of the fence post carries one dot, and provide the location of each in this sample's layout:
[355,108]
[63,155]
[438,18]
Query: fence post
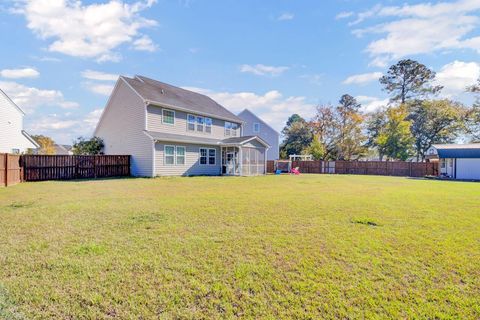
[95,166]
[6,169]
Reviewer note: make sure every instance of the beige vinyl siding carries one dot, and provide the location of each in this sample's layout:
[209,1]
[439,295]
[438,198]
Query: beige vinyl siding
[122,129]
[192,165]
[11,126]
[266,133]
[154,123]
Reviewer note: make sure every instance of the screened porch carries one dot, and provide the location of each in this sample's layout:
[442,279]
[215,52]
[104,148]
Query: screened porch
[243,161]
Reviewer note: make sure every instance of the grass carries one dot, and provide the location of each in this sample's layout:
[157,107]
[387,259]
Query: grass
[274,247]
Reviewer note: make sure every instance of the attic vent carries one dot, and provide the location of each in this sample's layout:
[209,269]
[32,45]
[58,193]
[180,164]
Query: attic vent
[162,91]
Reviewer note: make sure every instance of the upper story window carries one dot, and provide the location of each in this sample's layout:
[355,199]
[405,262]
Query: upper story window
[199,123]
[168,116]
[256,127]
[191,122]
[231,129]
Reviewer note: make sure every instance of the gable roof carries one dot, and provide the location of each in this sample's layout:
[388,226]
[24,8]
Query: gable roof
[11,102]
[158,93]
[458,150]
[258,118]
[244,139]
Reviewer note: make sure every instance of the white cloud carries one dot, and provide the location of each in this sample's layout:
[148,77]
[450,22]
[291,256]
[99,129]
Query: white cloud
[420,29]
[145,43]
[30,98]
[371,104]
[98,75]
[262,70]
[344,15]
[272,106]
[457,76]
[286,16]
[363,78]
[89,31]
[19,73]
[103,89]
[92,118]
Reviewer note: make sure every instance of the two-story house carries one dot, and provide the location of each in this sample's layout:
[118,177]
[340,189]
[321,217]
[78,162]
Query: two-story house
[13,139]
[172,131]
[253,125]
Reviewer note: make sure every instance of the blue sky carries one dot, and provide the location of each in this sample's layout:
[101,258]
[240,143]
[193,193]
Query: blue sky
[59,59]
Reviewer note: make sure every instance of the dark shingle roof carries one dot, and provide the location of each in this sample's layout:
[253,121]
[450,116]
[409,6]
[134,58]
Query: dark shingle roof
[241,140]
[161,93]
[458,150]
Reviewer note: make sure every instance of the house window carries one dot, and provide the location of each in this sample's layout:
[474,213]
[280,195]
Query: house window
[168,116]
[208,125]
[234,129]
[256,127]
[212,156]
[442,163]
[191,122]
[203,155]
[16,151]
[200,123]
[228,128]
[208,156]
[180,155]
[169,155]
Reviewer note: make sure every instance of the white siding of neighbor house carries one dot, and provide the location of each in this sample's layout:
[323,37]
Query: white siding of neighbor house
[11,126]
[192,165]
[154,123]
[122,128]
[266,133]
[468,169]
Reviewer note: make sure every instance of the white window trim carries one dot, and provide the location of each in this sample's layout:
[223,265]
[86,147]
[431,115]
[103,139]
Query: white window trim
[194,122]
[207,156]
[165,155]
[256,124]
[163,117]
[229,129]
[205,125]
[184,155]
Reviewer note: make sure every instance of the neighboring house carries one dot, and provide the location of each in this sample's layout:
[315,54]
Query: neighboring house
[457,161]
[172,131]
[255,126]
[63,149]
[13,139]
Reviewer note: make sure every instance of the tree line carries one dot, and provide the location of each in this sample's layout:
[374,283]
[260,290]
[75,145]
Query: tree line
[81,146]
[406,128]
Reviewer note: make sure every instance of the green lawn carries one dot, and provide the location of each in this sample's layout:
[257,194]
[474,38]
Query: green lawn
[274,247]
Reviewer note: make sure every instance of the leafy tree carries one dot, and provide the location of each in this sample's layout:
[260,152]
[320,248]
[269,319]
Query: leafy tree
[47,145]
[375,125]
[472,118]
[297,136]
[350,139]
[394,139]
[325,128]
[436,121]
[407,80]
[316,149]
[92,146]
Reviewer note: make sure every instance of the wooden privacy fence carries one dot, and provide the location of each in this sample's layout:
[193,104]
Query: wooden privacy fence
[383,168]
[10,170]
[63,167]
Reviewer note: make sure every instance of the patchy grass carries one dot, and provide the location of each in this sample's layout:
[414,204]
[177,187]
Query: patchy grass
[274,247]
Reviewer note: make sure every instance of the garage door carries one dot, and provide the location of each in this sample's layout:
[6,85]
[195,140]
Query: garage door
[468,169]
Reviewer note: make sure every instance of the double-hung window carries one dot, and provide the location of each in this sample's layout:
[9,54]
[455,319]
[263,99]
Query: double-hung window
[234,129]
[174,155]
[180,155]
[200,123]
[168,116]
[191,122]
[228,128]
[208,125]
[208,156]
[169,155]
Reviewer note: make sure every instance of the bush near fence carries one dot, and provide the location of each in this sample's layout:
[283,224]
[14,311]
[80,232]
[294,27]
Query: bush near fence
[383,168]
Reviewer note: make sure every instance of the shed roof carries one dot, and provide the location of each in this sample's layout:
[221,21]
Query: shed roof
[458,150]
[159,93]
